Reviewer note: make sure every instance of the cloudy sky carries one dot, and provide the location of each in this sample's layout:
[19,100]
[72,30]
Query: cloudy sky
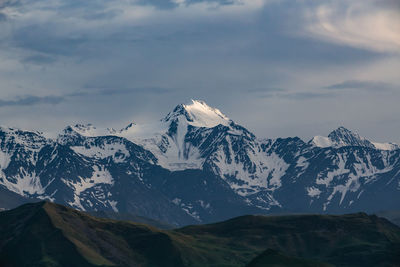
[279,68]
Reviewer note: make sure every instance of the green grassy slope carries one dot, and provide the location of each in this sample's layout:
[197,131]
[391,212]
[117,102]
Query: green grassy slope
[273,258]
[28,238]
[132,218]
[347,240]
[46,234]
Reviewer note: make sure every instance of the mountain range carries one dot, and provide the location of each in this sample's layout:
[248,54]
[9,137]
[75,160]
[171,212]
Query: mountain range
[196,165]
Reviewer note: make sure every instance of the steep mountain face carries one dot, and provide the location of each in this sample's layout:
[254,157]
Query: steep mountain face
[47,234]
[342,180]
[196,165]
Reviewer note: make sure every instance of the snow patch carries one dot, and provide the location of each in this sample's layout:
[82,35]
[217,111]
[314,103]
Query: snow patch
[24,183]
[266,174]
[313,191]
[99,176]
[89,130]
[5,160]
[113,205]
[177,201]
[361,168]
[321,141]
[203,204]
[386,146]
[188,208]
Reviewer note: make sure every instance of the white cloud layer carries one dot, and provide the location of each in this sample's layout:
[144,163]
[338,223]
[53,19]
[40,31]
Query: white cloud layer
[365,24]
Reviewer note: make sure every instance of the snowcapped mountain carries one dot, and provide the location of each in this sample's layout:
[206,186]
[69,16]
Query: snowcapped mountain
[196,136]
[197,165]
[344,137]
[168,138]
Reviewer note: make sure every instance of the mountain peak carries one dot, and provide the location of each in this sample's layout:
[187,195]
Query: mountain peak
[129,126]
[344,137]
[198,113]
[342,131]
[77,131]
[341,137]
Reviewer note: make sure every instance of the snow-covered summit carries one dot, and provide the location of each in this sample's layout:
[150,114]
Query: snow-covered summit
[80,131]
[341,137]
[344,137]
[87,130]
[199,114]
[181,139]
[32,139]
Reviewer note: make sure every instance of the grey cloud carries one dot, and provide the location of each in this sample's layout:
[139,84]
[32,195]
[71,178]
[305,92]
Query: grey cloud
[32,100]
[168,4]
[220,2]
[266,92]
[89,10]
[144,90]
[40,38]
[361,85]
[102,15]
[265,39]
[39,59]
[78,94]
[90,91]
[283,93]
[305,95]
[395,4]
[162,4]
[7,3]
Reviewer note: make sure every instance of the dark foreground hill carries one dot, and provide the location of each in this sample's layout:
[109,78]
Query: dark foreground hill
[46,234]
